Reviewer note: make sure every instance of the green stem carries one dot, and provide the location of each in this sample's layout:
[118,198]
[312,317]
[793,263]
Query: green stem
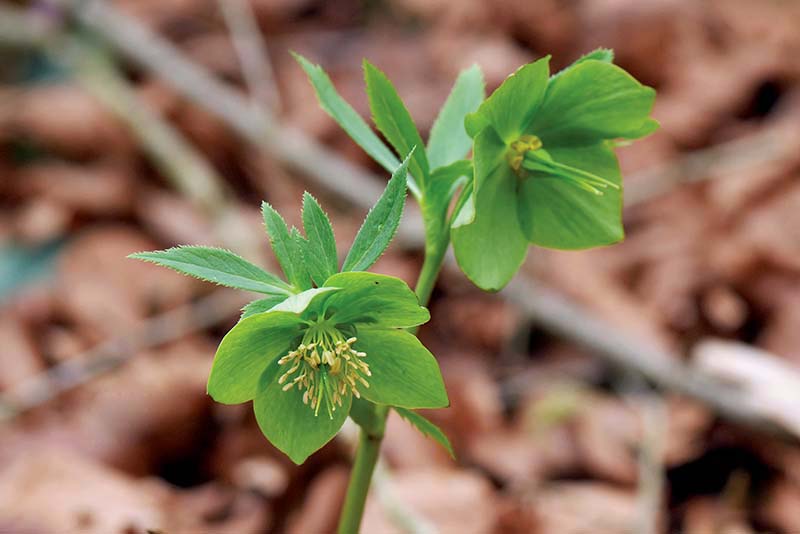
[369,439]
[369,445]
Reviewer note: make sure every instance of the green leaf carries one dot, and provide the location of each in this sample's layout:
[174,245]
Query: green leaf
[375,300]
[555,214]
[350,121]
[511,107]
[246,351]
[291,425]
[395,123]
[591,102]
[285,248]
[487,240]
[404,373]
[427,428]
[219,266]
[448,140]
[261,306]
[380,224]
[320,242]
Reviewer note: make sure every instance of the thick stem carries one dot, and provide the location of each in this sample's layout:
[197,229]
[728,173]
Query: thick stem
[369,439]
[369,445]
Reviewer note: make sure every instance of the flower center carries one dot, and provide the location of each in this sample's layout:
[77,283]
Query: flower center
[517,149]
[327,367]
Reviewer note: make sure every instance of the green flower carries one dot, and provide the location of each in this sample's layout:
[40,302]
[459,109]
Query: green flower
[545,169]
[304,360]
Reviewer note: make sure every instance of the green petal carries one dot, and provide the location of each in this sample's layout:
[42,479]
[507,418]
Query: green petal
[291,425]
[374,299]
[590,102]
[555,214]
[246,351]
[491,246]
[404,372]
[310,299]
[510,108]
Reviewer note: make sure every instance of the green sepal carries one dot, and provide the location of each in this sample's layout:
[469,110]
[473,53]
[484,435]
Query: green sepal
[394,121]
[404,372]
[427,428]
[554,213]
[362,412]
[448,140]
[375,300]
[487,240]
[219,266]
[511,107]
[380,225]
[605,55]
[591,102]
[288,423]
[245,352]
[320,244]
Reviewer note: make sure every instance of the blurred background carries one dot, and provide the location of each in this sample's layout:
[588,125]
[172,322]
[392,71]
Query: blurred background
[648,387]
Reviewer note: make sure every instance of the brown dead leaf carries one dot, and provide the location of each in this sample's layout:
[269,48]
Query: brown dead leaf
[454,502]
[584,508]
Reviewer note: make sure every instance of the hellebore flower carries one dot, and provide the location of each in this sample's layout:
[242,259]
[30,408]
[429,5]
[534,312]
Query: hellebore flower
[545,169]
[303,361]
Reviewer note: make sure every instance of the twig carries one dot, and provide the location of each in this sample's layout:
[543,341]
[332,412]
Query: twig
[569,320]
[653,413]
[187,170]
[253,55]
[108,355]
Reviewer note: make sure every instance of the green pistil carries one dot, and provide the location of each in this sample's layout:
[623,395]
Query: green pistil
[527,154]
[540,161]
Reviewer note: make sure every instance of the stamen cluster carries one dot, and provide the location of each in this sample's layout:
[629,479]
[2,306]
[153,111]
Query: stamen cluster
[327,368]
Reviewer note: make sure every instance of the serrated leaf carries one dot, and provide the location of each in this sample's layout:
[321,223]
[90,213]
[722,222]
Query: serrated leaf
[219,266]
[350,121]
[320,243]
[427,428]
[395,123]
[448,140]
[285,248]
[380,225]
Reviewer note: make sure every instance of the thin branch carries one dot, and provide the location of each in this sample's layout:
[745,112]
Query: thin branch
[569,320]
[109,355]
[253,56]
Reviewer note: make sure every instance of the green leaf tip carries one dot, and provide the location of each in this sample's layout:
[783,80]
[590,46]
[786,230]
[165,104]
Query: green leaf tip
[217,265]
[427,429]
[381,223]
